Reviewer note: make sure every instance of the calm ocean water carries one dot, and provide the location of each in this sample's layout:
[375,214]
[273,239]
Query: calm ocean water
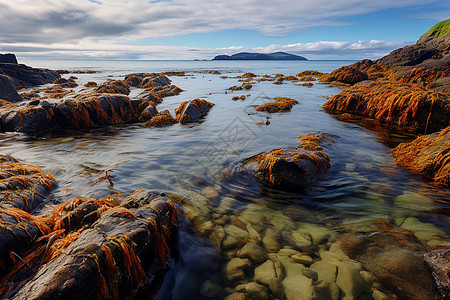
[363,185]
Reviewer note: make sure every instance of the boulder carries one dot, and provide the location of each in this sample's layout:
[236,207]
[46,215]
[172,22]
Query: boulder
[8,58]
[113,87]
[279,105]
[107,253]
[347,75]
[193,110]
[7,89]
[438,262]
[394,103]
[289,168]
[25,76]
[162,119]
[427,155]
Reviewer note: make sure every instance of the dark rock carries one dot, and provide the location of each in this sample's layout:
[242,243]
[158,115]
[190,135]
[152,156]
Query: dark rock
[113,87]
[162,119]
[8,58]
[440,85]
[347,75]
[193,110]
[7,89]
[439,263]
[25,76]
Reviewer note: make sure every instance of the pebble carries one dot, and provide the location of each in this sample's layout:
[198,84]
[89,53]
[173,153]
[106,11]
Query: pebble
[257,291]
[265,273]
[302,259]
[254,252]
[235,269]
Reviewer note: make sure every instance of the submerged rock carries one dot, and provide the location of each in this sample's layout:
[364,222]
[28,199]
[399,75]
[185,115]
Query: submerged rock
[428,155]
[193,110]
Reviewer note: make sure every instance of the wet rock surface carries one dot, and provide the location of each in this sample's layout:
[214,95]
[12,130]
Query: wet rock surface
[394,103]
[292,167]
[428,155]
[193,110]
[438,262]
[86,248]
[7,89]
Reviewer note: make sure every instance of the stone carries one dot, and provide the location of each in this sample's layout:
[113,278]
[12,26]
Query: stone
[236,296]
[291,268]
[254,252]
[8,91]
[302,259]
[317,232]
[235,269]
[8,58]
[438,262]
[287,252]
[265,273]
[377,295]
[324,270]
[257,291]
[271,240]
[298,288]
[276,287]
[193,110]
[423,231]
[310,274]
[326,290]
[350,280]
[210,289]
[217,235]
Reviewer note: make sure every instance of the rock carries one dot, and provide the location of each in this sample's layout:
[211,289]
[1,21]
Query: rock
[327,290]
[157,93]
[254,252]
[113,87]
[235,269]
[347,75]
[404,272]
[271,240]
[438,262]
[427,155]
[148,113]
[279,105]
[107,256]
[276,287]
[440,85]
[298,288]
[210,289]
[290,168]
[265,273]
[217,235]
[8,58]
[302,259]
[7,89]
[291,269]
[317,232]
[154,80]
[350,280]
[162,119]
[377,295]
[325,271]
[423,231]
[257,291]
[25,76]
[394,103]
[193,110]
[236,296]
[287,252]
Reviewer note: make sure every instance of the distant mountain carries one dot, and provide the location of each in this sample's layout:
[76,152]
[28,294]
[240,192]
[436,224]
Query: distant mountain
[260,56]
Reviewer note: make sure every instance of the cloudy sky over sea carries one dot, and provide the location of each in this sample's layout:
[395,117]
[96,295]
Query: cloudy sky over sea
[199,29]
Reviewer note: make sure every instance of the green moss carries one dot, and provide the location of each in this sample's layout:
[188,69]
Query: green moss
[438,30]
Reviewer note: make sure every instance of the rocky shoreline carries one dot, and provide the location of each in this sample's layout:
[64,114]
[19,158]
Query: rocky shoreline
[114,247]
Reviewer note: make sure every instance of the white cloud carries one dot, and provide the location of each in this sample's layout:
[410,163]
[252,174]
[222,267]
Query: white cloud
[106,50]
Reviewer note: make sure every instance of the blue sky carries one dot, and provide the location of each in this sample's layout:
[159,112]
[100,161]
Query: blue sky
[137,29]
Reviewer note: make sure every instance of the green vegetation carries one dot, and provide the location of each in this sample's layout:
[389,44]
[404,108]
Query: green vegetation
[438,30]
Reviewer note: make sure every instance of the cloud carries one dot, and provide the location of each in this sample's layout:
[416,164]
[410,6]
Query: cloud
[105,50]
[56,21]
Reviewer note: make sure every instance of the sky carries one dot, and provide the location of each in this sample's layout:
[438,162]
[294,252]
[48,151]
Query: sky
[201,29]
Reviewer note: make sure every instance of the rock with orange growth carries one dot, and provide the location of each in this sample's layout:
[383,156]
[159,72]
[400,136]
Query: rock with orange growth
[113,87]
[148,113]
[157,93]
[427,155]
[441,85]
[290,168]
[154,81]
[281,104]
[422,75]
[193,110]
[90,84]
[346,75]
[162,119]
[394,103]
[123,242]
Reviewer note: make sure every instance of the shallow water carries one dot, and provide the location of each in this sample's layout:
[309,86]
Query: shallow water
[363,185]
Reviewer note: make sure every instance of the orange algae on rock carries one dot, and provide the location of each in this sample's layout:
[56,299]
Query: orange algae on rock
[427,155]
[394,103]
[191,111]
[162,119]
[281,104]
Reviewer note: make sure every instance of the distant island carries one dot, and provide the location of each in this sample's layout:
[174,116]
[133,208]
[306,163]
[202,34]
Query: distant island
[260,56]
